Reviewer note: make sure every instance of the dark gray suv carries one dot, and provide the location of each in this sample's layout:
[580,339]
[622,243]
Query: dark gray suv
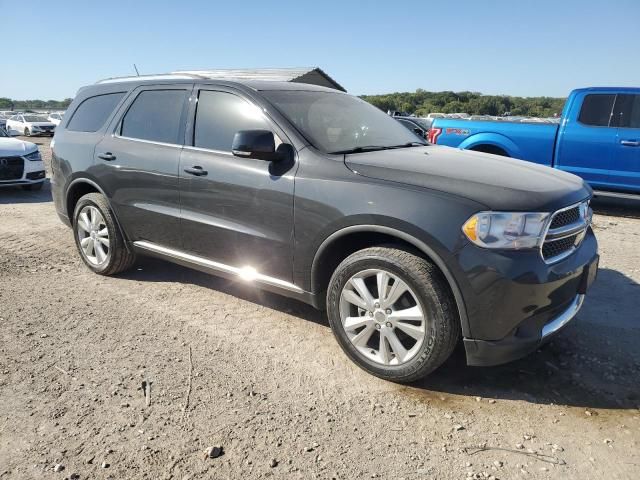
[317,195]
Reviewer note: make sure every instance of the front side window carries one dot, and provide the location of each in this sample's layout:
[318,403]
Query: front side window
[340,123]
[627,111]
[596,110]
[93,112]
[219,115]
[155,115]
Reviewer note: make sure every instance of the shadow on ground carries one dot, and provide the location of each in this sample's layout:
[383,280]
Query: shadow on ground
[593,363]
[15,194]
[627,208]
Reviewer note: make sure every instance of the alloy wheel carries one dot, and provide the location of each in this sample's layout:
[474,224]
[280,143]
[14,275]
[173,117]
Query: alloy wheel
[382,317]
[93,235]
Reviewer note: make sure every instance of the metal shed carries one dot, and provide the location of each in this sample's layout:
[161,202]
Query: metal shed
[311,75]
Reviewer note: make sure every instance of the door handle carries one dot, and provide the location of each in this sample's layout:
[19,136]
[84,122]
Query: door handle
[108,156]
[196,170]
[630,143]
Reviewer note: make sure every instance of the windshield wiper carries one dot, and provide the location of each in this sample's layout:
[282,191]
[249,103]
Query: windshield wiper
[366,148]
[410,144]
[373,148]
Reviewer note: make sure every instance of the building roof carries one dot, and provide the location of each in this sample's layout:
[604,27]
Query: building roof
[310,75]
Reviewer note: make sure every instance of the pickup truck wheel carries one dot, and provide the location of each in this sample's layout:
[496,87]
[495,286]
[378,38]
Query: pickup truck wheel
[392,313]
[98,238]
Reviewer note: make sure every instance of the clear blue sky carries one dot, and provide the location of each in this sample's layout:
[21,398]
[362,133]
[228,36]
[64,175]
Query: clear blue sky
[515,47]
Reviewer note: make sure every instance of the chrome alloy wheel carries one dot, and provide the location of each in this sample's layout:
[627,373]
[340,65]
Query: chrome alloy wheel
[382,317]
[93,235]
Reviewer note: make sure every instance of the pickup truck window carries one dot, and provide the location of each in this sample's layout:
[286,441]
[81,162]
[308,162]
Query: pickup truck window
[596,110]
[627,111]
[220,115]
[155,116]
[335,122]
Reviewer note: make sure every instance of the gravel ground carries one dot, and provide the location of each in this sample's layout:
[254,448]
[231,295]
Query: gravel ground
[262,377]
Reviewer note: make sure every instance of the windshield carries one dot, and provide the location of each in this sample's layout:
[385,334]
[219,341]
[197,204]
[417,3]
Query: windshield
[339,123]
[34,118]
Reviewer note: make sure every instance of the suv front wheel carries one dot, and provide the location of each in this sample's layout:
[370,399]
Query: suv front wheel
[98,238]
[392,313]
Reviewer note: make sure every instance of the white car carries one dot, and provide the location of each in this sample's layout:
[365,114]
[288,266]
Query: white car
[28,124]
[55,118]
[20,163]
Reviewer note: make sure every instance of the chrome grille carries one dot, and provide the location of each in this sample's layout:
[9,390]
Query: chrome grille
[565,217]
[566,231]
[11,168]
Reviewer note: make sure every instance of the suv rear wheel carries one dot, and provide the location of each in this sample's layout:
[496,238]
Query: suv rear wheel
[98,238]
[392,313]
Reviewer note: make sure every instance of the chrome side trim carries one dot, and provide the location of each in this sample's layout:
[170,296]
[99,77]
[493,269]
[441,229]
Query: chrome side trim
[565,317]
[151,142]
[246,273]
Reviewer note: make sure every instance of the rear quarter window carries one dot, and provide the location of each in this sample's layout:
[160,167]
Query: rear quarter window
[93,112]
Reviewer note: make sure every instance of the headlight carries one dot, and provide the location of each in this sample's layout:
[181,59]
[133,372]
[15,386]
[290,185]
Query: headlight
[34,156]
[508,230]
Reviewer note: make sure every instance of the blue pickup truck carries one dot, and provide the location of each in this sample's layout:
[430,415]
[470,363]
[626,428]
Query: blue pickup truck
[597,138]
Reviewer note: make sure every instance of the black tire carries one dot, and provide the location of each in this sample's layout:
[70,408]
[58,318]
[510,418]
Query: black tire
[27,132]
[119,258]
[33,186]
[433,294]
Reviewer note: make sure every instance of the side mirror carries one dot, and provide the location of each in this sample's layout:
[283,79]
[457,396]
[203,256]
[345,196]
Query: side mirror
[259,144]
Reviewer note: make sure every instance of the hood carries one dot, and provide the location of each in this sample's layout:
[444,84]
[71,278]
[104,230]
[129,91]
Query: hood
[12,147]
[499,183]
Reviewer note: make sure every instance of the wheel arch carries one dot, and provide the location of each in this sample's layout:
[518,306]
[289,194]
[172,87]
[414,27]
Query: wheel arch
[342,243]
[80,187]
[494,140]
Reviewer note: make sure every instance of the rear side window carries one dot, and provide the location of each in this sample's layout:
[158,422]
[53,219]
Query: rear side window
[93,112]
[220,115]
[627,111]
[155,115]
[596,110]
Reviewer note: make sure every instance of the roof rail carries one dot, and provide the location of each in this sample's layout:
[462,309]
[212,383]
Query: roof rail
[161,76]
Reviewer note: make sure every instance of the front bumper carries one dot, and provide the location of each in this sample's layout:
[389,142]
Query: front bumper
[488,353]
[32,172]
[519,302]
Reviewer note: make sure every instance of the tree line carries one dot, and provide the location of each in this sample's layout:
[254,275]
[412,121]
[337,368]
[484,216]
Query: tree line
[419,103]
[422,103]
[9,104]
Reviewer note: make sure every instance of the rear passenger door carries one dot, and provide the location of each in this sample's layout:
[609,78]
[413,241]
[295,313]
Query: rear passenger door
[137,163]
[236,211]
[587,140]
[625,163]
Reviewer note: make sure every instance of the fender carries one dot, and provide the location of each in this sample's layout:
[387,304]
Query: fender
[99,189]
[495,139]
[419,244]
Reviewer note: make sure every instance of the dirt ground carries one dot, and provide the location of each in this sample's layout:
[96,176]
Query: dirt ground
[262,377]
